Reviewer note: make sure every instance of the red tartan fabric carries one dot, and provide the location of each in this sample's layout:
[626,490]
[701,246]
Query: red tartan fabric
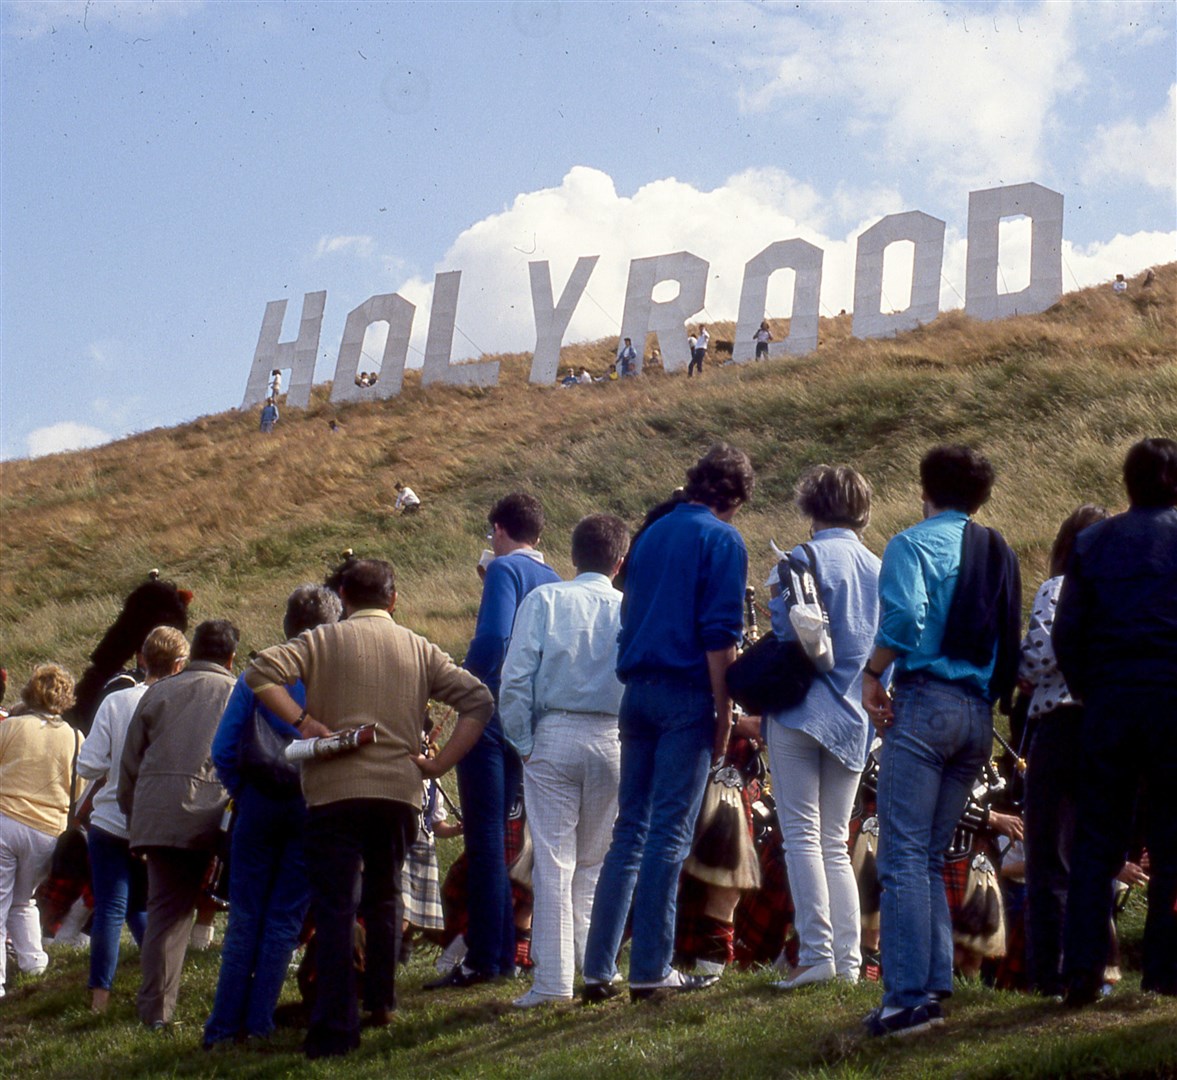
[956,878]
[764,916]
[699,936]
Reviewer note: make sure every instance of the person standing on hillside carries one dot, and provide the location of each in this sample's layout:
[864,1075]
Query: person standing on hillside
[1115,636]
[363,806]
[762,337]
[627,356]
[559,702]
[173,802]
[269,417]
[950,611]
[681,619]
[698,345]
[490,775]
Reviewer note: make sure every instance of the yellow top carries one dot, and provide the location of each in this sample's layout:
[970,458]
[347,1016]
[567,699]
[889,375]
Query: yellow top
[36,757]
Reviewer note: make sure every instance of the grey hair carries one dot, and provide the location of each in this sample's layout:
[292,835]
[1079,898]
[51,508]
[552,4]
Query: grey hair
[310,606]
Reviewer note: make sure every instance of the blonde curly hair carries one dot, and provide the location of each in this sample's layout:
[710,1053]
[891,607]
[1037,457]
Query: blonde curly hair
[50,689]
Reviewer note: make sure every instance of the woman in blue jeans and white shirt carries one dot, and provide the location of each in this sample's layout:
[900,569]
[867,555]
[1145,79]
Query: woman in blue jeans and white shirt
[818,749]
[118,878]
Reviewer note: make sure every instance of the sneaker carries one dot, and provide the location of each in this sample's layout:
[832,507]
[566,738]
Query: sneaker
[533,998]
[909,1021]
[674,983]
[810,976]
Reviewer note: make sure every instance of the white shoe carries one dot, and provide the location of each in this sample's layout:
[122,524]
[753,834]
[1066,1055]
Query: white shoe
[201,937]
[709,967]
[533,998]
[819,973]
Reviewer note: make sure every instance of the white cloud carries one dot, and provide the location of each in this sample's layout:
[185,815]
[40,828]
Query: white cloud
[32,18]
[963,93]
[362,246]
[727,226]
[1141,152]
[66,435]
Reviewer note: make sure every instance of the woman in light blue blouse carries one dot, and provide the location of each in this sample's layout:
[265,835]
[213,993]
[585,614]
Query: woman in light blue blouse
[818,749]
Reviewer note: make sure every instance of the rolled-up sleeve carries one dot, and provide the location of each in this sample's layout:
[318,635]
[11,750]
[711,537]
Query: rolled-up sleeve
[721,598]
[903,598]
[460,690]
[279,665]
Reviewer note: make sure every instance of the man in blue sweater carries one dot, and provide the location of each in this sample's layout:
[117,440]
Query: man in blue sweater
[681,619]
[1115,635]
[490,775]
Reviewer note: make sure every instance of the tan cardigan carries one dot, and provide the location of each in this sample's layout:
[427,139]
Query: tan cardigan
[36,758]
[369,670]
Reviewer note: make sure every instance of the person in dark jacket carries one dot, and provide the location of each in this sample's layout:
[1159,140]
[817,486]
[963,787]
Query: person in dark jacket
[1115,636]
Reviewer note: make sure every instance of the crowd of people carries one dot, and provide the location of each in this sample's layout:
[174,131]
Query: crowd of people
[599,710]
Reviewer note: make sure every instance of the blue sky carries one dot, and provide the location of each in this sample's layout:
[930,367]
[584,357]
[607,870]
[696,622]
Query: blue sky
[168,168]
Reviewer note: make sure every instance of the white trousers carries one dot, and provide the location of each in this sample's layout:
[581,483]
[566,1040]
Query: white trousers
[25,855]
[570,790]
[814,795]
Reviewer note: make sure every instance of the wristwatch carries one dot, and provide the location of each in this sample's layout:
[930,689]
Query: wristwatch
[868,670]
[300,721]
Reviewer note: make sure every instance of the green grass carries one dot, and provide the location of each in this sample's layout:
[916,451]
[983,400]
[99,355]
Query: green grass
[739,1028]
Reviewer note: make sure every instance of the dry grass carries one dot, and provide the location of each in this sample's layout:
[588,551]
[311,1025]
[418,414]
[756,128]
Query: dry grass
[240,518]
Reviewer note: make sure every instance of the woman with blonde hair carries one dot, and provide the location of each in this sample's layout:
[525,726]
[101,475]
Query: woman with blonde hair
[37,752]
[818,749]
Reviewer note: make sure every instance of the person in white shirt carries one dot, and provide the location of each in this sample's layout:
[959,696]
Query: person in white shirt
[762,337]
[113,868]
[698,345]
[559,701]
[406,500]
[275,384]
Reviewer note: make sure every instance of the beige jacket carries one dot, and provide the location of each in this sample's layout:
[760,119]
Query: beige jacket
[168,787]
[36,758]
[369,670]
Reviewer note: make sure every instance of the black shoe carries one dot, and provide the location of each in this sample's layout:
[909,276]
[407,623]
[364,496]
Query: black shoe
[329,1044]
[458,976]
[1081,992]
[674,983]
[595,993]
[904,1022]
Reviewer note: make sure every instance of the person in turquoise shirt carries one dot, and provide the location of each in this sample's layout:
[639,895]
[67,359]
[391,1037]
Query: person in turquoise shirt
[949,591]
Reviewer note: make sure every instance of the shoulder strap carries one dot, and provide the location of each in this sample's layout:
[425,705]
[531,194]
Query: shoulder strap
[73,776]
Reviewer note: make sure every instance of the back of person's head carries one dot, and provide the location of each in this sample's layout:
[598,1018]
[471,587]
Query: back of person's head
[956,478]
[1064,542]
[835,495]
[368,583]
[310,606]
[50,689]
[599,543]
[519,515]
[1150,473]
[721,479]
[215,640]
[161,649]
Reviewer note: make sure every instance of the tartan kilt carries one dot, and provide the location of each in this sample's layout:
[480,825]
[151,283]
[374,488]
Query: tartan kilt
[420,888]
[699,936]
[763,924]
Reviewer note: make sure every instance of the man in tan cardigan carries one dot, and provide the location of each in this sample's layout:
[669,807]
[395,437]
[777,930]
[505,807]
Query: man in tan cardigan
[364,805]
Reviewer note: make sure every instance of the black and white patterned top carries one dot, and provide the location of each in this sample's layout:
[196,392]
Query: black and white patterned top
[1039,665]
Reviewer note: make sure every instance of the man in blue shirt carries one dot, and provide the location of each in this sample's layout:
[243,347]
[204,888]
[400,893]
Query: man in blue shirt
[950,599]
[490,775]
[681,619]
[1115,635]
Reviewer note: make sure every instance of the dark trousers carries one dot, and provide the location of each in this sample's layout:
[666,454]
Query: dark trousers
[696,361]
[1129,738]
[1052,778]
[355,849]
[489,777]
[174,877]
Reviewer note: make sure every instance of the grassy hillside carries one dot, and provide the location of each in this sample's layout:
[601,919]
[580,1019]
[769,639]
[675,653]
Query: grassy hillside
[240,518]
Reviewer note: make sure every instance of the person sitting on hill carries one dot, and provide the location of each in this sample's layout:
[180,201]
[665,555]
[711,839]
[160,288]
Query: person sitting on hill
[570,379]
[406,500]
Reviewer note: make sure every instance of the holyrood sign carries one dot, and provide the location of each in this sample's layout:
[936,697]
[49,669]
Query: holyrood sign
[643,314]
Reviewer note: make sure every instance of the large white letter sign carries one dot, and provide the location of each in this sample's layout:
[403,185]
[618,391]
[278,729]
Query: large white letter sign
[805,261]
[398,313]
[297,355]
[927,234]
[643,314]
[986,209]
[551,320]
[440,340]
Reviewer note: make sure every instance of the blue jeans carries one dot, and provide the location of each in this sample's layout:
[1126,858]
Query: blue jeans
[489,777]
[667,733]
[942,735]
[268,898]
[119,882]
